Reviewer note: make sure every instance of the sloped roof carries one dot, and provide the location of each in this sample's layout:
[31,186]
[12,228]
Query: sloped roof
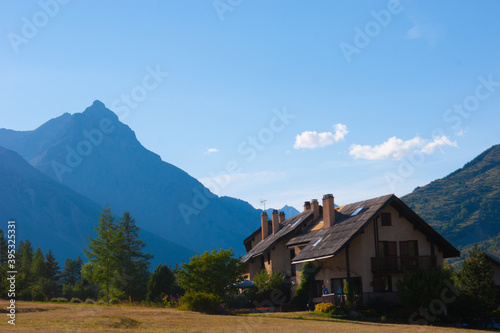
[287,227]
[350,220]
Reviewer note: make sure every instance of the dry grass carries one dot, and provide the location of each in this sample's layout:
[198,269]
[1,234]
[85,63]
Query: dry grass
[45,317]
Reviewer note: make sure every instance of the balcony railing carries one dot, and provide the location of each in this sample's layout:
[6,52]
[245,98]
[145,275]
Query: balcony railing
[393,264]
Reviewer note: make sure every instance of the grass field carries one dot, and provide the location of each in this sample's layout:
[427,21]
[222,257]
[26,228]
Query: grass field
[48,317]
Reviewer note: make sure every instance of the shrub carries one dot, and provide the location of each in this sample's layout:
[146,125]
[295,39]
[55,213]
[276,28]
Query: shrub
[101,302]
[200,302]
[89,301]
[59,299]
[114,301]
[324,307]
[75,300]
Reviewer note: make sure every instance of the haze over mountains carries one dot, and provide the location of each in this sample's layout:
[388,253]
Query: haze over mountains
[88,160]
[56,179]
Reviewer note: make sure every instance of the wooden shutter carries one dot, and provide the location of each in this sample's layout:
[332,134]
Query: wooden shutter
[403,248]
[392,249]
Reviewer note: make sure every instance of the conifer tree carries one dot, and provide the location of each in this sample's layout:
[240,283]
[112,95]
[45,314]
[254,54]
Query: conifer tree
[133,262]
[162,281]
[38,268]
[71,274]
[475,281]
[52,267]
[104,253]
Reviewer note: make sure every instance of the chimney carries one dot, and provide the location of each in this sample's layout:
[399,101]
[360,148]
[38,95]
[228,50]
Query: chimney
[328,211]
[264,225]
[315,209]
[276,222]
[307,206]
[282,217]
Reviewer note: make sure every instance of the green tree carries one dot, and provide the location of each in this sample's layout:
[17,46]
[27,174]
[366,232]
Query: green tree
[104,253]
[475,281]
[133,262]
[211,273]
[24,262]
[52,267]
[72,271]
[419,288]
[3,248]
[38,268]
[162,281]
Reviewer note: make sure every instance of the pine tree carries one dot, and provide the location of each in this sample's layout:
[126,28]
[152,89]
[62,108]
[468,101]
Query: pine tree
[71,274]
[104,252]
[162,281]
[134,263]
[24,277]
[475,281]
[52,267]
[38,268]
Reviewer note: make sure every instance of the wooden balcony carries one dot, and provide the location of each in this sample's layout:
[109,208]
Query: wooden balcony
[393,264]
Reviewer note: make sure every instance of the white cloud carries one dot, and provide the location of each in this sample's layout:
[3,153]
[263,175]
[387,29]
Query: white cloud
[313,139]
[211,151]
[395,149]
[414,33]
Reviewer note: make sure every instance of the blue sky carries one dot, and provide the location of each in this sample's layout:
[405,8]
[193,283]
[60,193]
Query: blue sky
[276,100]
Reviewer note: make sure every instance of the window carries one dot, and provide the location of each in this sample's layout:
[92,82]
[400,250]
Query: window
[386,219]
[409,254]
[408,248]
[357,211]
[382,283]
[317,288]
[387,249]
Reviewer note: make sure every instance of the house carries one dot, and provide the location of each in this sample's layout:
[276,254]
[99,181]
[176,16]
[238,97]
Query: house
[370,243]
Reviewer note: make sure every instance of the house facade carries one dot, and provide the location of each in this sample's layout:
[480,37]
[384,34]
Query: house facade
[370,243]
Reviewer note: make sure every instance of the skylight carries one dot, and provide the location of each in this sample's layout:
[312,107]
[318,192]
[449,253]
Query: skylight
[317,242]
[357,211]
[295,223]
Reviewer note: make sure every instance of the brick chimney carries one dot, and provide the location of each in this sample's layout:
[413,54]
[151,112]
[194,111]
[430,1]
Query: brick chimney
[315,209]
[282,217]
[328,211]
[307,206]
[264,225]
[276,222]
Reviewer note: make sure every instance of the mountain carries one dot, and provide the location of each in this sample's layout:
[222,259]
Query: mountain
[465,205]
[99,157]
[52,216]
[288,210]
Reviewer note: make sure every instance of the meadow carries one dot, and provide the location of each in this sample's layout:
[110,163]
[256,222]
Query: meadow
[63,317]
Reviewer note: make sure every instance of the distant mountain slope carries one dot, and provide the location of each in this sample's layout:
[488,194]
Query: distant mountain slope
[99,157]
[465,205]
[52,216]
[288,210]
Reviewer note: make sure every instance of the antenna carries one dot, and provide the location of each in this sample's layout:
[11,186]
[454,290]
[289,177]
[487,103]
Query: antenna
[263,202]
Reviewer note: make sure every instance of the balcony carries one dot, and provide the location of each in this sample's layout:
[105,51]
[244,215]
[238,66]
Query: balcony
[393,264]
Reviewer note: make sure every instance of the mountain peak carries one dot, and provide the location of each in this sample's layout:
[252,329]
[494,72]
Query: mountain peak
[99,109]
